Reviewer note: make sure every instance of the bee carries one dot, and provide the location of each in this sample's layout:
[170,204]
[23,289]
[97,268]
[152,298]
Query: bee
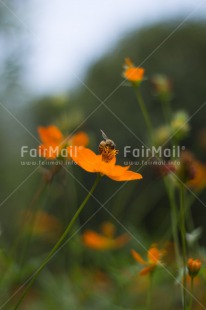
[107,148]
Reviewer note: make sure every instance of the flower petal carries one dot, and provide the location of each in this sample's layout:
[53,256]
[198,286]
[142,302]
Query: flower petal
[91,162]
[120,173]
[199,180]
[138,258]
[147,270]
[128,63]
[50,135]
[96,241]
[80,139]
[108,229]
[85,158]
[133,74]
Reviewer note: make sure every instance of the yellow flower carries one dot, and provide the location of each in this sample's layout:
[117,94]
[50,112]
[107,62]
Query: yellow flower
[153,259]
[91,162]
[53,141]
[106,240]
[131,73]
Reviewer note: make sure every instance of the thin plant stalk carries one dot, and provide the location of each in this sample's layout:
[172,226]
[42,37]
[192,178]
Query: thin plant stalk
[188,205]
[171,198]
[145,115]
[59,242]
[149,294]
[170,192]
[174,220]
[183,237]
[191,293]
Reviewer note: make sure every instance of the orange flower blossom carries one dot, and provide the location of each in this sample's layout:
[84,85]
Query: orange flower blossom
[191,171]
[92,162]
[131,73]
[53,141]
[153,259]
[106,240]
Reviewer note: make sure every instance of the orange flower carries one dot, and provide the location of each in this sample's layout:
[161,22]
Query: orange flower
[199,180]
[191,171]
[153,259]
[131,73]
[53,141]
[106,240]
[193,266]
[91,162]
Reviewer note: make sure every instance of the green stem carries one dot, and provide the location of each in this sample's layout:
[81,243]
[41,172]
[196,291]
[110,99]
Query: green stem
[191,292]
[145,115]
[189,218]
[59,242]
[170,192]
[149,295]
[188,205]
[183,236]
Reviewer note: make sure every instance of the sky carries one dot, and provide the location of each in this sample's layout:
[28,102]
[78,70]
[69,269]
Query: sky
[67,36]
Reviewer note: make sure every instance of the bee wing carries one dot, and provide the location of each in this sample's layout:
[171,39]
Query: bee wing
[104,136]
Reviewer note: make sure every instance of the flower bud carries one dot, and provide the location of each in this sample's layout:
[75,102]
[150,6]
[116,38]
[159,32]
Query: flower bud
[186,170]
[162,135]
[193,266]
[179,125]
[162,86]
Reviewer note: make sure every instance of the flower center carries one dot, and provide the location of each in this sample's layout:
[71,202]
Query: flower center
[108,154]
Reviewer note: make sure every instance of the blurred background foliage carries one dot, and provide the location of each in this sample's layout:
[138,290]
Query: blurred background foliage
[102,101]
